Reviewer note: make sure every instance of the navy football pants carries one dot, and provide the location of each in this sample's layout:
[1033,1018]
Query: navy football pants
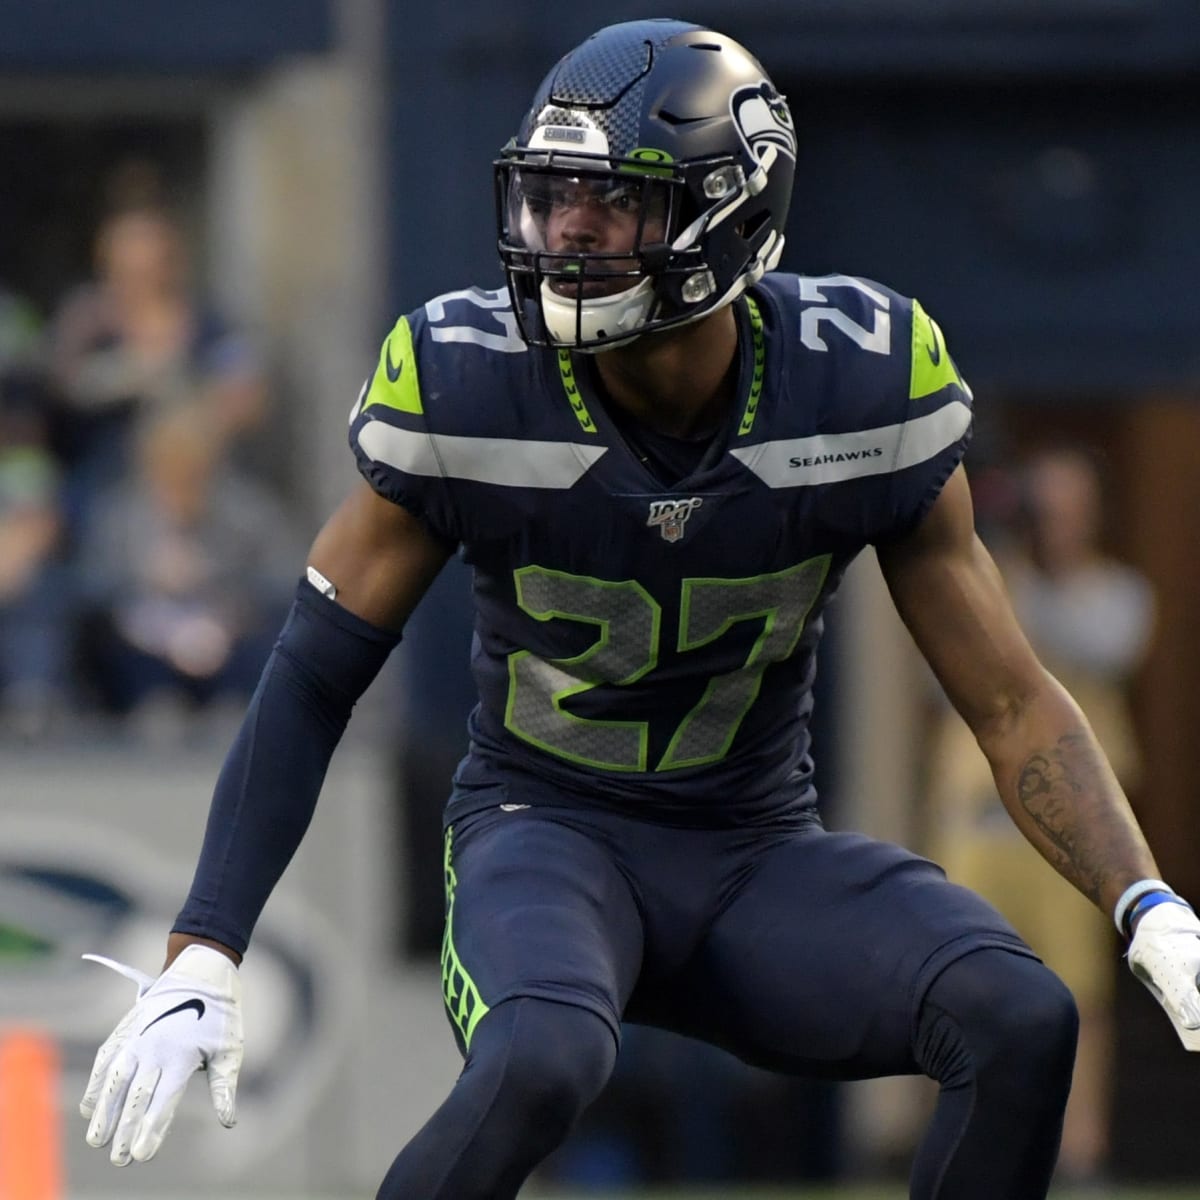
[798,950]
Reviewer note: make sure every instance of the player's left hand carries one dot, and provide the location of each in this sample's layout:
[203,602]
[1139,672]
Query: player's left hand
[1165,955]
[186,1020]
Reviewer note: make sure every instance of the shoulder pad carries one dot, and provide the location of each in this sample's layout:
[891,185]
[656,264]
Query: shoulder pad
[478,317]
[395,383]
[412,356]
[867,325]
[932,366]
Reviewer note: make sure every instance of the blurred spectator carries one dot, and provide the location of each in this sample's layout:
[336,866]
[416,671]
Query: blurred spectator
[20,330]
[33,602]
[1090,619]
[138,342]
[187,570]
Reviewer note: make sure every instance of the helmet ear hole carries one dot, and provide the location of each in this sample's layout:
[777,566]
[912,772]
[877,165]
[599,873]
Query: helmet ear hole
[752,226]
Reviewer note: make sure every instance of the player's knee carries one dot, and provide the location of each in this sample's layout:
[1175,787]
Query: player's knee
[1049,1024]
[557,1059]
[1004,1016]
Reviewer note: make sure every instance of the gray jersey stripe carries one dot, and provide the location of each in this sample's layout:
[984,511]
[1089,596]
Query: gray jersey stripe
[509,462]
[832,457]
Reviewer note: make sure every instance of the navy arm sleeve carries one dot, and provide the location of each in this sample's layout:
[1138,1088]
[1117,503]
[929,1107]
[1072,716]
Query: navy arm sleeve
[323,661]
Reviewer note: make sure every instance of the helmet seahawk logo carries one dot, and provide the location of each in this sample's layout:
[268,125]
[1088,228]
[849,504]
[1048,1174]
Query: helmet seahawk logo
[762,117]
[671,516]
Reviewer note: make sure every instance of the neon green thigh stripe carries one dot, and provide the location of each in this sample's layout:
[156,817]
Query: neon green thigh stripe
[463,1001]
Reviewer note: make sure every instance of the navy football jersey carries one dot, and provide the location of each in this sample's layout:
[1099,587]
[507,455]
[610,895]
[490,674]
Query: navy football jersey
[649,644]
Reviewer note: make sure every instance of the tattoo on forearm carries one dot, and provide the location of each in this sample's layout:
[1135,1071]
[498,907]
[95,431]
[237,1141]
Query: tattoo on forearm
[1067,792]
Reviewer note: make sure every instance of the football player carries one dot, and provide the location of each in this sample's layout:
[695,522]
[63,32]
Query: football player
[660,455]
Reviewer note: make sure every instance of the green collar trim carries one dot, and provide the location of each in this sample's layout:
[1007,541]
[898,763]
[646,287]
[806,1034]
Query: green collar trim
[760,367]
[566,371]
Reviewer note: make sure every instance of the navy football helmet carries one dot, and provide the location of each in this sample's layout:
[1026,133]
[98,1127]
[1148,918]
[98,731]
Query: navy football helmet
[648,185]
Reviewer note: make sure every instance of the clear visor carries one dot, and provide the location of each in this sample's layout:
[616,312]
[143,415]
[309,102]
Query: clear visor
[586,225]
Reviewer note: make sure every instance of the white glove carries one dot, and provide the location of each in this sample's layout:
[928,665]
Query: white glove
[186,1020]
[1165,955]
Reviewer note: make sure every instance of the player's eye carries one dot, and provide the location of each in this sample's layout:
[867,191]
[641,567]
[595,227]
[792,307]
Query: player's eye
[625,198]
[541,198]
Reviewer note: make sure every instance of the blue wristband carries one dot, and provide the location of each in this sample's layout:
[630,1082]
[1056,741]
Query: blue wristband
[1145,903]
[1133,893]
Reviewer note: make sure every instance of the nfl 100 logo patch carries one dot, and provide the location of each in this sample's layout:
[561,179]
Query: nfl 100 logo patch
[671,516]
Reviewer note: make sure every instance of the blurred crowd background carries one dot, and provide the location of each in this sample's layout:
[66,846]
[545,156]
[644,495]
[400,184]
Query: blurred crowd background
[212,213]
[147,554]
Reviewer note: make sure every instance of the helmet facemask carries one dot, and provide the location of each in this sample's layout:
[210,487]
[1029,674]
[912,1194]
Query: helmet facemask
[586,244]
[633,264]
[666,119]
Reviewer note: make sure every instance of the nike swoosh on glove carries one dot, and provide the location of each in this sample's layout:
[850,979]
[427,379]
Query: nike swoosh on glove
[1165,955]
[188,1019]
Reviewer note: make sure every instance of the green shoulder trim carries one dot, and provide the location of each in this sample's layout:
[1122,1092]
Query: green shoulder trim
[932,366]
[395,383]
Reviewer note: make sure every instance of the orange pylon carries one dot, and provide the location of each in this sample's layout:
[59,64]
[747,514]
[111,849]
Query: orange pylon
[30,1153]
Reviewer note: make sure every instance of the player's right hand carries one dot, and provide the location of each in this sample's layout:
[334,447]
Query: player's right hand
[1165,955]
[186,1020]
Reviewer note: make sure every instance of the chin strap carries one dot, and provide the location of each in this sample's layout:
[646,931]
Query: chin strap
[624,312]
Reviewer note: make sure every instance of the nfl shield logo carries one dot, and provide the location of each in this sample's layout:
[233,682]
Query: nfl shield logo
[671,515]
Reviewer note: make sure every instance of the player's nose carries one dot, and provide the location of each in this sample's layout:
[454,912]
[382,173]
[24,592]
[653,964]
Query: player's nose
[582,226]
